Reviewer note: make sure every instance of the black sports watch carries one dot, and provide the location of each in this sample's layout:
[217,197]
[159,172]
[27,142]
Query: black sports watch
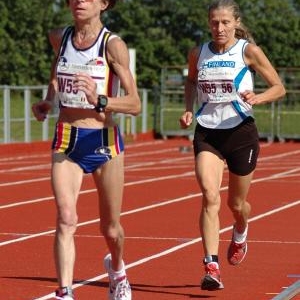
[101,103]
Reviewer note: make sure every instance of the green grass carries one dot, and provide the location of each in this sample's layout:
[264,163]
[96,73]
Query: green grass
[284,120]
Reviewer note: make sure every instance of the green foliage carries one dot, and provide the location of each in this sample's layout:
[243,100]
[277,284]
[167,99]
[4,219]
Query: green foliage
[162,32]
[275,27]
[26,53]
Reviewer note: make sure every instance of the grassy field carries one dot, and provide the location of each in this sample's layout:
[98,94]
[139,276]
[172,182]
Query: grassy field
[278,120]
[13,117]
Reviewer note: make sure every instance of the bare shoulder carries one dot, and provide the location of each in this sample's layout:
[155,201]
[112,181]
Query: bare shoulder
[193,57]
[194,53]
[116,46]
[55,37]
[117,51]
[254,55]
[252,49]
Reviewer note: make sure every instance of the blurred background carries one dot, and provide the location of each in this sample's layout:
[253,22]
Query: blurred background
[159,35]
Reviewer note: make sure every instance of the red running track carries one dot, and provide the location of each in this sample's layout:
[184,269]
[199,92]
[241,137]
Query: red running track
[160,215]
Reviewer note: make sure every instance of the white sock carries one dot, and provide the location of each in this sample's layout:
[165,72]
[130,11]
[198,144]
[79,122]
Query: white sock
[117,274]
[240,237]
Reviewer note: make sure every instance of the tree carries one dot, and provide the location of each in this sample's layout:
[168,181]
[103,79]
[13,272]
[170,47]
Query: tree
[162,32]
[24,43]
[275,26]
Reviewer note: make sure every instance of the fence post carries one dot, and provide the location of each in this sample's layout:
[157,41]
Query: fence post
[6,115]
[144,110]
[122,123]
[45,133]
[27,110]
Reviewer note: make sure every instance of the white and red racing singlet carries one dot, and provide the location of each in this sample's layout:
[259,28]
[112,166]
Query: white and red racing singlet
[91,61]
[221,78]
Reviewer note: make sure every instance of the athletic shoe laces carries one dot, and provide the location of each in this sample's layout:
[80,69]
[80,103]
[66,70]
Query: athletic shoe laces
[121,289]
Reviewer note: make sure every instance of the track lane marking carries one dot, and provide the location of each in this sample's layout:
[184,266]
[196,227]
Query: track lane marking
[172,201]
[170,250]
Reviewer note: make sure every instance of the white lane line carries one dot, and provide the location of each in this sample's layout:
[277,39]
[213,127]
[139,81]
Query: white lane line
[170,250]
[172,201]
[94,190]
[290,292]
[142,154]
[187,174]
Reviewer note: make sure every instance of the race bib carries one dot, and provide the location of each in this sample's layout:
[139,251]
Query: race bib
[217,91]
[68,95]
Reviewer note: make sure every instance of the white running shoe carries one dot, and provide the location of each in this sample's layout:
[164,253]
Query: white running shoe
[119,289]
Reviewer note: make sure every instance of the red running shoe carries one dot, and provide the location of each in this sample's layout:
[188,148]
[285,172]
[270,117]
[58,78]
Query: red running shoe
[236,252]
[212,280]
[64,293]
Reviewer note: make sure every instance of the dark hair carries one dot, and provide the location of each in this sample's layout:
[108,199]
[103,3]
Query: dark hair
[241,32]
[111,4]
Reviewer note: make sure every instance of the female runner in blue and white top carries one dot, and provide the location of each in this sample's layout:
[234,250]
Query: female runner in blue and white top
[90,64]
[220,79]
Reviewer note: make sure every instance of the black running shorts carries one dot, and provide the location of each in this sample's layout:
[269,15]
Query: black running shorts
[238,146]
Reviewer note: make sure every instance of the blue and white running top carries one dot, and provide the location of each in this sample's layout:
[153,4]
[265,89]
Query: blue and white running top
[221,78]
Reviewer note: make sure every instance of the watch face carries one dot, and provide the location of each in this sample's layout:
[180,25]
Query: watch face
[101,103]
[103,100]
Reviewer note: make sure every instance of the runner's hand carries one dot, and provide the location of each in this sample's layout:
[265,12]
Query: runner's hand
[40,109]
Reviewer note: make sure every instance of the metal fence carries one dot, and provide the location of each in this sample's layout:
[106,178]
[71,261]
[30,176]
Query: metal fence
[161,109]
[275,121]
[18,124]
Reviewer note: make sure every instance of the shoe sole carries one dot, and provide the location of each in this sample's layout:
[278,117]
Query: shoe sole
[211,284]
